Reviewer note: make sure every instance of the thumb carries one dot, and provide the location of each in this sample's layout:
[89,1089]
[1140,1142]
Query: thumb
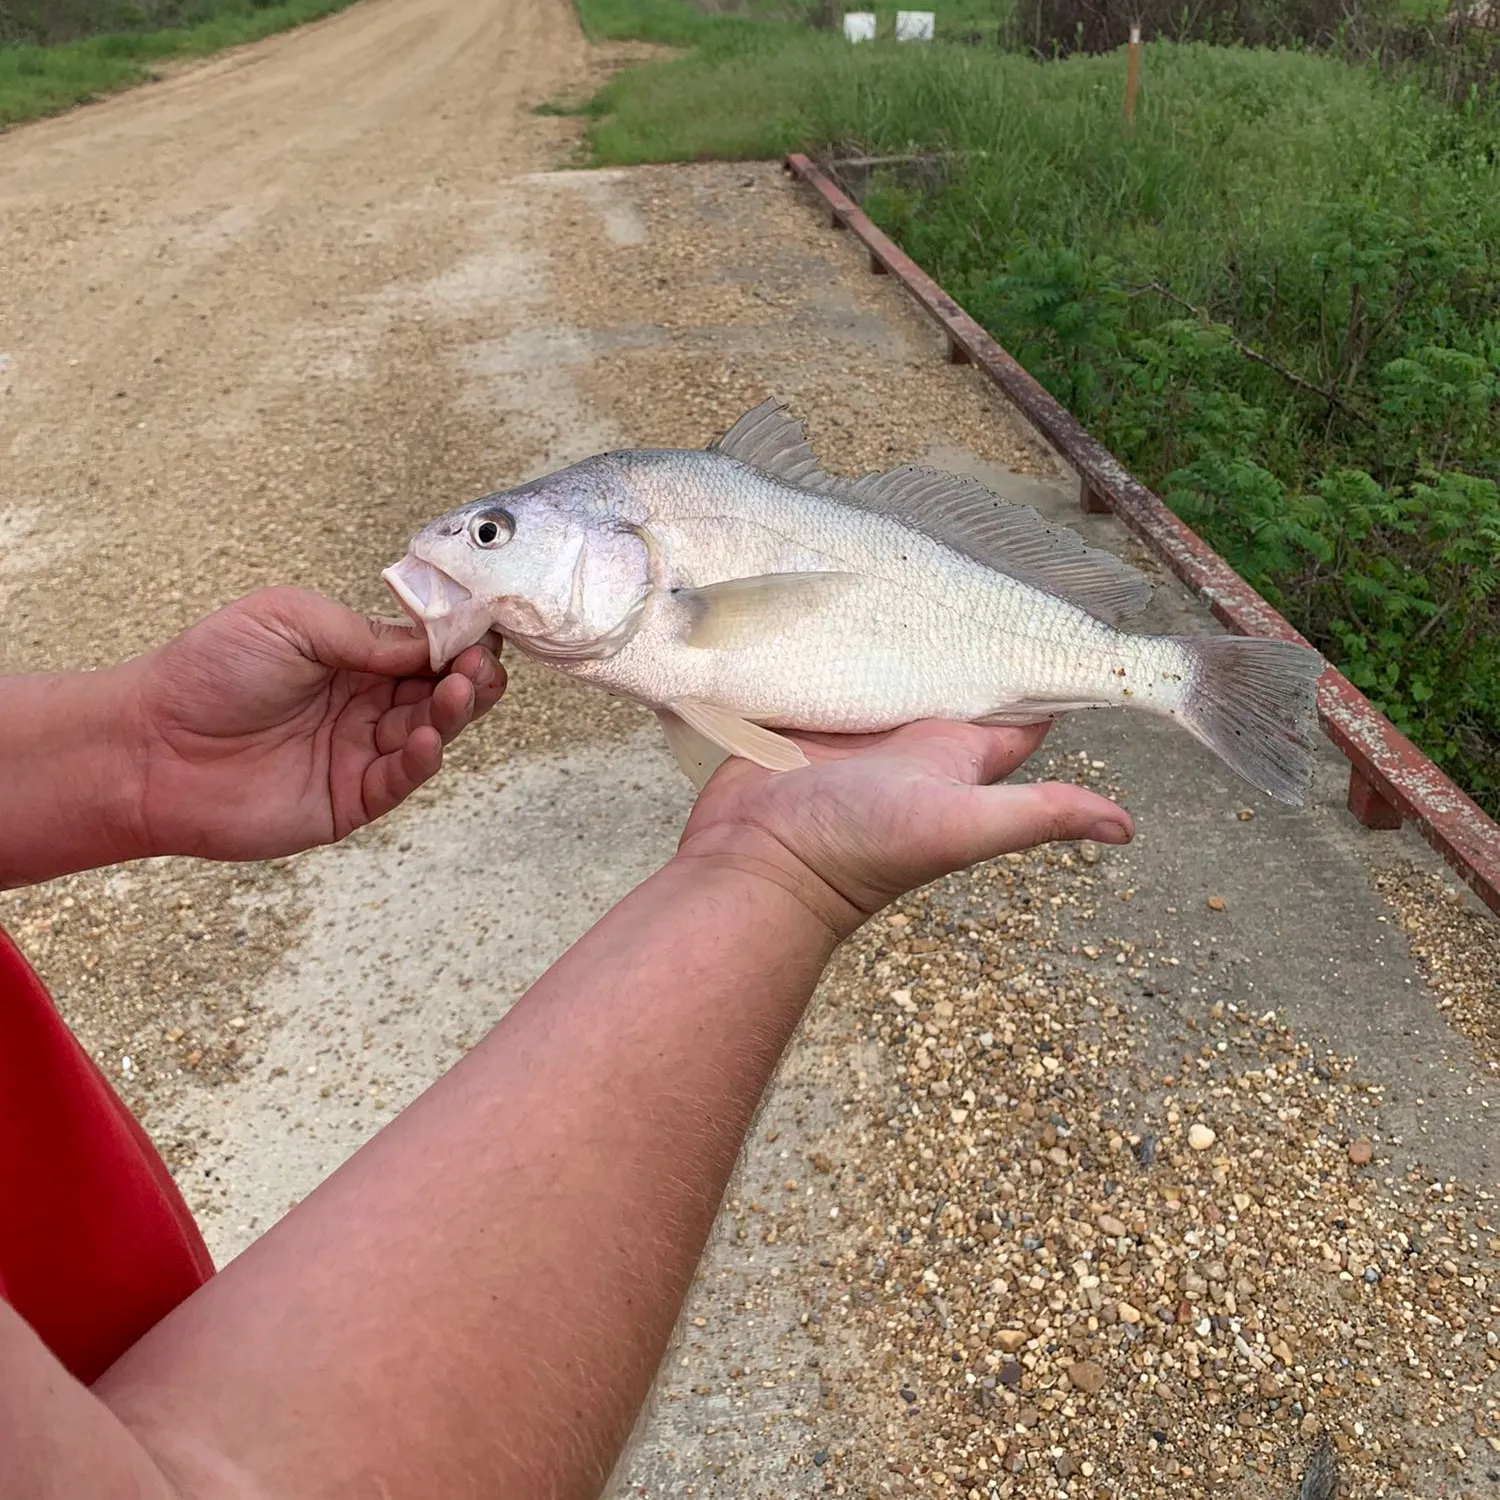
[1009,818]
[335,636]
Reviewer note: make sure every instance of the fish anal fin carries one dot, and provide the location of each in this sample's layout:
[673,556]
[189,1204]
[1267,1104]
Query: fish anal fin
[1034,710]
[1013,539]
[772,441]
[738,736]
[696,755]
[742,611]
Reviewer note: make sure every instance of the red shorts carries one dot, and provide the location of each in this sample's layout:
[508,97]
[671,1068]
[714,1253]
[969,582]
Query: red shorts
[96,1243]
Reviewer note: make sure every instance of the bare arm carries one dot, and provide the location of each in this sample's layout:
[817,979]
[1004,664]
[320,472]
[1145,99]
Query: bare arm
[477,1302]
[57,1439]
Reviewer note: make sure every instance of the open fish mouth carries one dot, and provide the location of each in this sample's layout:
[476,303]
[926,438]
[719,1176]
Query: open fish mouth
[453,619]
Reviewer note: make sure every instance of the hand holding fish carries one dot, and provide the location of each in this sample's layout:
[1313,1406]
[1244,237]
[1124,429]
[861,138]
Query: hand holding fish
[285,720]
[282,721]
[876,816]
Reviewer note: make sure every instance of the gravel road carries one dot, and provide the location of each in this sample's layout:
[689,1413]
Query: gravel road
[1094,1173]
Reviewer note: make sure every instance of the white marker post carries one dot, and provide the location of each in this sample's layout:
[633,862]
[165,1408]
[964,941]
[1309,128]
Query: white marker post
[914,25]
[859,26]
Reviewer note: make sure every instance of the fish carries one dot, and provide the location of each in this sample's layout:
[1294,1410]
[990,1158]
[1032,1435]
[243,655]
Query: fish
[743,594]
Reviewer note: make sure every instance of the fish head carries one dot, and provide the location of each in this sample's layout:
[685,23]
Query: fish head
[544,565]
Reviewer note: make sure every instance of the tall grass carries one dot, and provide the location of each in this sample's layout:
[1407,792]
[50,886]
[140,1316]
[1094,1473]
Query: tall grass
[1277,299]
[38,80]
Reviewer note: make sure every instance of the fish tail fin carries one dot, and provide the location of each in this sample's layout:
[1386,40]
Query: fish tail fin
[1253,702]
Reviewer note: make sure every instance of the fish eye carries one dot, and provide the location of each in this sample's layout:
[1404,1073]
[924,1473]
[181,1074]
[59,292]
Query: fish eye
[491,528]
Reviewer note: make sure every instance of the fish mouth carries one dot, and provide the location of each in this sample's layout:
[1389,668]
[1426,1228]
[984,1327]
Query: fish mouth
[453,619]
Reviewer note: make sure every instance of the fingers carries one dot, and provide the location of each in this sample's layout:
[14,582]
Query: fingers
[412,690]
[410,735]
[974,753]
[447,707]
[390,780]
[451,706]
[340,638]
[334,636]
[1000,751]
[1007,819]
[481,665]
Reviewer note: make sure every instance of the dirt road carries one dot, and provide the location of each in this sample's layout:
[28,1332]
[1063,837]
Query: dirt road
[260,319]
[219,291]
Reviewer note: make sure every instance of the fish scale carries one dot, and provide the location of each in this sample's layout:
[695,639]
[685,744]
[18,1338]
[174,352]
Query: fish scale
[741,590]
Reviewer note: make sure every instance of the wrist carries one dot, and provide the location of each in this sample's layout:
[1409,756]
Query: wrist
[73,774]
[756,855]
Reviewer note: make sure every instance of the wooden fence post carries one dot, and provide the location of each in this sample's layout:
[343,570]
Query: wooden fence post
[1132,73]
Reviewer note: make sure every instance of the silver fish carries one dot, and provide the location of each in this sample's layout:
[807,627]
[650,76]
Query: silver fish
[739,590]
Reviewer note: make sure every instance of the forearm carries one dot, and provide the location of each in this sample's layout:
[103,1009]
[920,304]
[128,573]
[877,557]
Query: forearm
[57,1440]
[478,1301]
[69,775]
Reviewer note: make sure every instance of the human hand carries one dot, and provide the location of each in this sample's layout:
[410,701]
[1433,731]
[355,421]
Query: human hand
[285,720]
[875,816]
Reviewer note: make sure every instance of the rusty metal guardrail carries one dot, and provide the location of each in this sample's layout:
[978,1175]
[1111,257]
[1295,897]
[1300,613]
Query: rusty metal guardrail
[1390,779]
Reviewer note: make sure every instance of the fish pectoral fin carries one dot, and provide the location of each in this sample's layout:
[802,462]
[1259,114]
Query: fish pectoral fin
[697,755]
[738,736]
[1034,710]
[742,611]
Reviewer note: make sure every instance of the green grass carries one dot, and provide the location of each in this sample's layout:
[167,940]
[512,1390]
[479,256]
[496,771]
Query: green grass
[37,80]
[1277,299]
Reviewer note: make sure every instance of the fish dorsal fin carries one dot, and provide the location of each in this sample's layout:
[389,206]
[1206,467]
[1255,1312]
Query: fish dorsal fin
[1016,540]
[953,509]
[770,440]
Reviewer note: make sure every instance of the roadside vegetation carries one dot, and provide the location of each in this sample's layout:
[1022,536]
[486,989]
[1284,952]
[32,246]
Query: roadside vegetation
[1276,298]
[58,53]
